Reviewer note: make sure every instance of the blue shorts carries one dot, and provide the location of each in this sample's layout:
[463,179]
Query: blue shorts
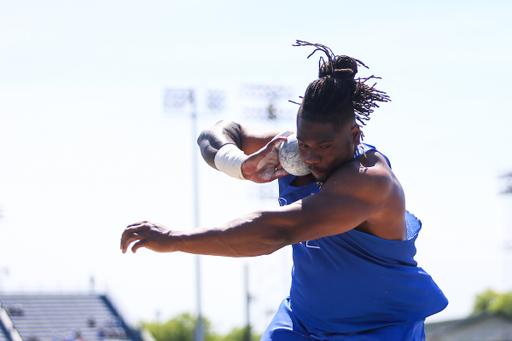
[285,326]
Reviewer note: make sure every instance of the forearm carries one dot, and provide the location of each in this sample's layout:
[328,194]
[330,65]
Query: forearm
[247,139]
[255,234]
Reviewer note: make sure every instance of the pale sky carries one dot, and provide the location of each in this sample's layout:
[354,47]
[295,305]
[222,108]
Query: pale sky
[86,146]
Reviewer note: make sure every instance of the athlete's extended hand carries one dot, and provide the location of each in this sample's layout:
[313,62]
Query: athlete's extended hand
[147,234]
[263,166]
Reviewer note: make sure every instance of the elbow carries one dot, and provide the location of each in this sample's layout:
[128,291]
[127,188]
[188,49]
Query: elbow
[274,243]
[275,247]
[265,246]
[279,233]
[280,239]
[202,137]
[266,250]
[259,233]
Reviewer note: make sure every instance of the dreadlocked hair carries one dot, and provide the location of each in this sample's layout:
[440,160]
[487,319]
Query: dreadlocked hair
[338,97]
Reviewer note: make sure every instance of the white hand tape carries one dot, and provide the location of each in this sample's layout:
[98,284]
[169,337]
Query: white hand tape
[229,159]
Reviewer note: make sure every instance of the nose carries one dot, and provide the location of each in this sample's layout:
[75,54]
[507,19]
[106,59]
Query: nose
[312,158]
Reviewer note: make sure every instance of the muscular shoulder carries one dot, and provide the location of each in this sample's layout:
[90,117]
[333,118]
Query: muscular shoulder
[371,181]
[366,178]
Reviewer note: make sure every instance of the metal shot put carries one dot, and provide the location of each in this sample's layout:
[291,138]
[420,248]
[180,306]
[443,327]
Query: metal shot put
[354,276]
[289,157]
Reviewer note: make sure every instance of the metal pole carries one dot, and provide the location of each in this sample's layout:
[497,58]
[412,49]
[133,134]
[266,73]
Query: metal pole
[2,272]
[247,336]
[507,245]
[199,330]
[176,99]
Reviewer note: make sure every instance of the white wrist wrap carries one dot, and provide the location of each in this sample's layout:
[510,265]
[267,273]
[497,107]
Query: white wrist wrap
[229,160]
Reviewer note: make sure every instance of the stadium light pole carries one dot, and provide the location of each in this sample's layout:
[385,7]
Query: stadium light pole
[507,191]
[175,99]
[3,271]
[248,298]
[507,244]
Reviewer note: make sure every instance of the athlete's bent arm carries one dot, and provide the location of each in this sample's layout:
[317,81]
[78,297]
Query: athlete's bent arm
[248,139]
[260,162]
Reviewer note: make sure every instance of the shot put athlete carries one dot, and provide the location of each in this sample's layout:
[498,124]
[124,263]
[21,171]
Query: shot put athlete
[354,276]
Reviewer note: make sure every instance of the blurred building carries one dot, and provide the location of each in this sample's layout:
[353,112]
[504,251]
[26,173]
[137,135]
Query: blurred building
[64,317]
[483,327]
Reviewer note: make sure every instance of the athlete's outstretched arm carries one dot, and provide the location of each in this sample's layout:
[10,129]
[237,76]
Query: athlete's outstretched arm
[259,144]
[336,209]
[255,234]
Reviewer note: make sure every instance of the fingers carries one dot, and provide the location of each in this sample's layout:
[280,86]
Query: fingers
[133,237]
[138,245]
[285,133]
[132,233]
[279,173]
[273,146]
[279,138]
[140,223]
[275,141]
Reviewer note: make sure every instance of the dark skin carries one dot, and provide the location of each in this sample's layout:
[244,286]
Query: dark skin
[361,194]
[259,144]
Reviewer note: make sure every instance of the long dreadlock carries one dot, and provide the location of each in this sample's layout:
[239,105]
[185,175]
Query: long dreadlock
[337,96]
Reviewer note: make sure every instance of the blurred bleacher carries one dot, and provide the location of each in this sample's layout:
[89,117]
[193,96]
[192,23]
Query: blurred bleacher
[3,333]
[64,317]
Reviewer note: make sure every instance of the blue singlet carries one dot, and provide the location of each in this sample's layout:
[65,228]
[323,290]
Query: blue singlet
[354,286]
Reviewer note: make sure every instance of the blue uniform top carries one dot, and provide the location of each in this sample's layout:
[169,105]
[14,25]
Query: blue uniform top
[354,283]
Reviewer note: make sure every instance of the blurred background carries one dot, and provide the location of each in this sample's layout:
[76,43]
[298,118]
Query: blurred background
[97,107]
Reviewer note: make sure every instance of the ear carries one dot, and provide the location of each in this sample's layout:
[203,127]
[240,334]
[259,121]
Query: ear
[357,134]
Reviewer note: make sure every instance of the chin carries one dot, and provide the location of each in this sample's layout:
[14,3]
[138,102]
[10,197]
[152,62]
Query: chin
[321,177]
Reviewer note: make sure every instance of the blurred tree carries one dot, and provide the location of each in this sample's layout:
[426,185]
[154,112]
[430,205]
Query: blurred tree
[492,302]
[239,334]
[181,328]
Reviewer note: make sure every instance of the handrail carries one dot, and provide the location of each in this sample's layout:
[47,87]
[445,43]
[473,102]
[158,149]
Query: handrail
[8,325]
